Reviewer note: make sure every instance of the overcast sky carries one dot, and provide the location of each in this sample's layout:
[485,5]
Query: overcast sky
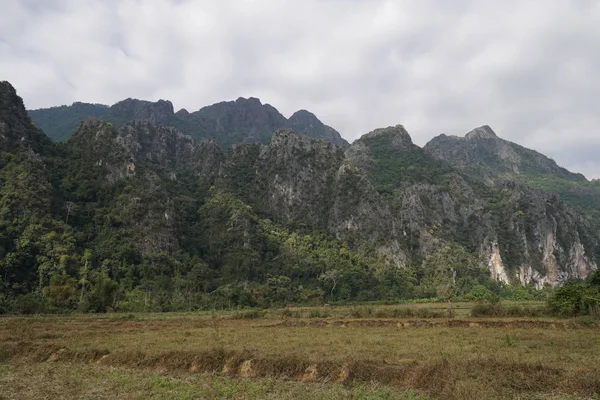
[529,69]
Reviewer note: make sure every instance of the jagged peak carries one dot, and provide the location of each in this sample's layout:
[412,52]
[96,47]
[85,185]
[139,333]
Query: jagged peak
[249,100]
[398,132]
[483,132]
[131,102]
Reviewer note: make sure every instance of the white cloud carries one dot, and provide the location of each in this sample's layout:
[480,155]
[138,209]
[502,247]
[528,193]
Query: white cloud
[525,68]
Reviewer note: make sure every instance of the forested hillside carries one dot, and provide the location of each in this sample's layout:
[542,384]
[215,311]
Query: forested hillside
[135,214]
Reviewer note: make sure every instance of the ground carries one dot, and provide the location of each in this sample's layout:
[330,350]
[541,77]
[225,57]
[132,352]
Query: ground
[359,352]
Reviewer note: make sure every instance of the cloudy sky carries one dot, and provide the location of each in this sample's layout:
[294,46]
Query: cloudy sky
[528,68]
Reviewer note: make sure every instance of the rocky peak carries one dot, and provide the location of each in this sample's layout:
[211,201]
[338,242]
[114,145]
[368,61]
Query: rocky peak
[397,136]
[250,101]
[243,120]
[391,138]
[183,114]
[304,118]
[308,124]
[483,132]
[10,103]
[159,112]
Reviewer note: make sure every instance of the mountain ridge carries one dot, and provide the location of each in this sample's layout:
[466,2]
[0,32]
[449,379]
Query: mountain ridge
[492,159]
[227,122]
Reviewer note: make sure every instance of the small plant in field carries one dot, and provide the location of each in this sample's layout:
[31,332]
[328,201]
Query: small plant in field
[509,341]
[217,335]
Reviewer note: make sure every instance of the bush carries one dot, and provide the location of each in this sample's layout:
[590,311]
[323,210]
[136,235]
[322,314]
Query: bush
[478,292]
[574,299]
[30,303]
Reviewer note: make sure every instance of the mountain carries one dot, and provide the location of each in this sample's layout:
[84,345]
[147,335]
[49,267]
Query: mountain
[240,121]
[482,155]
[306,123]
[142,216]
[16,130]
[521,234]
[60,122]
[160,112]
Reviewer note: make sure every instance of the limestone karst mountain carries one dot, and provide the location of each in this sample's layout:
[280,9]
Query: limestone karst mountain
[229,122]
[140,206]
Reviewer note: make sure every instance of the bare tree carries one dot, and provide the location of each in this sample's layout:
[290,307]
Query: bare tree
[71,208]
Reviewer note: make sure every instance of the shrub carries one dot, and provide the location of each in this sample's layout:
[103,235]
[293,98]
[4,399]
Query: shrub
[478,292]
[573,299]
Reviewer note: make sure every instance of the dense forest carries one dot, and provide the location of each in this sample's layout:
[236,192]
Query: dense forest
[138,216]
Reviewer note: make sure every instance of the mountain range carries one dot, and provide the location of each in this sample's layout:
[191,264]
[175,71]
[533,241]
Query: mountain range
[236,205]
[228,122]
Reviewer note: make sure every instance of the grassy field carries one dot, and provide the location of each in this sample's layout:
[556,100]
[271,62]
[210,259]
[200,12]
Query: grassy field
[361,352]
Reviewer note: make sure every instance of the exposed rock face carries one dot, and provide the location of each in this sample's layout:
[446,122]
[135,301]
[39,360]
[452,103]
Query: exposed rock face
[145,156]
[299,174]
[160,144]
[483,132]
[544,234]
[306,181]
[521,234]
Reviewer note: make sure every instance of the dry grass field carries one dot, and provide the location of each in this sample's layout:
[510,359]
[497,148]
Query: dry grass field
[362,352]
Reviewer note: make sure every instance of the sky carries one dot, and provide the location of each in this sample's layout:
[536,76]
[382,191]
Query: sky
[528,68]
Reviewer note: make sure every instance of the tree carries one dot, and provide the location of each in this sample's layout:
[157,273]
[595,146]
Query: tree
[447,268]
[331,277]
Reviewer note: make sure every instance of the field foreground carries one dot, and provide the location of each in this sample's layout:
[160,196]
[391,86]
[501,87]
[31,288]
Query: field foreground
[328,353]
